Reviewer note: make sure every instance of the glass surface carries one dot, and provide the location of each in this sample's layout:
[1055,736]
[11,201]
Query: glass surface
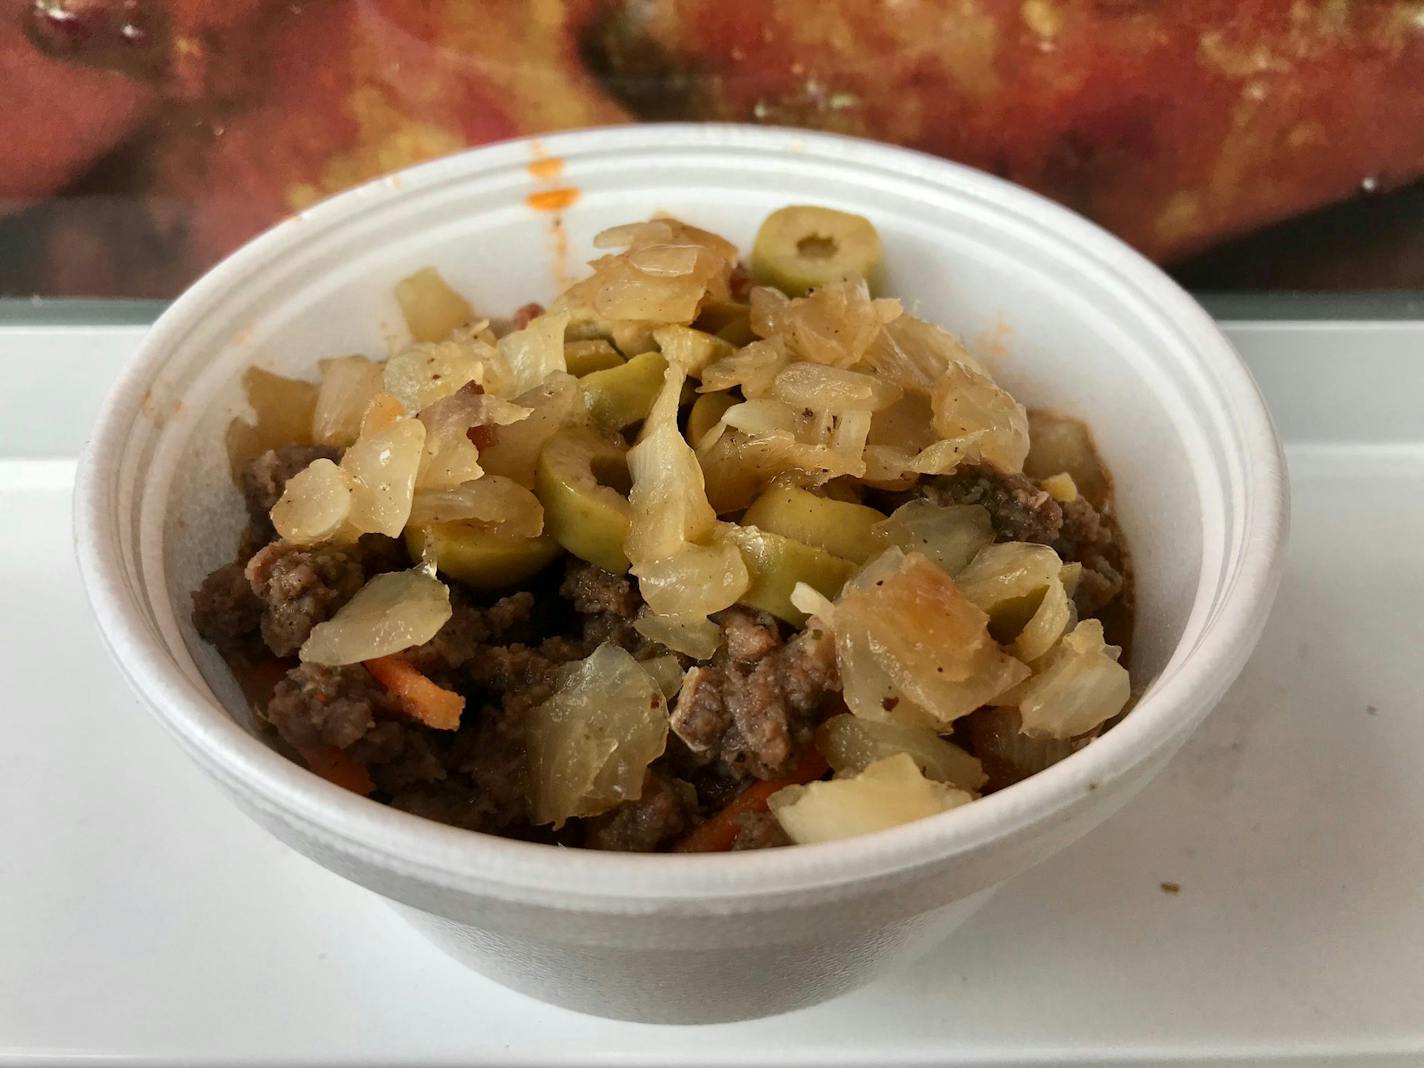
[1249,145]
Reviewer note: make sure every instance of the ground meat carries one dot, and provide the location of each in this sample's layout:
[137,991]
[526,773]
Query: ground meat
[1019,509]
[593,590]
[470,629]
[225,610]
[491,752]
[1090,538]
[663,812]
[315,705]
[758,830]
[265,476]
[400,755]
[447,802]
[754,706]
[301,586]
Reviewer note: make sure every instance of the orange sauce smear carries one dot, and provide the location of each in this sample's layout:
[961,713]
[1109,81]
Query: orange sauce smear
[552,199]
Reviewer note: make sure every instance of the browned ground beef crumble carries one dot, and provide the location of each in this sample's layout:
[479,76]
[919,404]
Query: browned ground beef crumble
[746,714]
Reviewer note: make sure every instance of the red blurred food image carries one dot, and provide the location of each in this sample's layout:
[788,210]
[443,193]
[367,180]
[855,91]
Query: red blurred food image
[147,138]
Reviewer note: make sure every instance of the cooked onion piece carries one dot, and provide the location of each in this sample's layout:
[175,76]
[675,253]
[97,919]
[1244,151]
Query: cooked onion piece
[394,611]
[834,325]
[695,581]
[383,465]
[668,502]
[431,309]
[887,793]
[315,504]
[850,744]
[347,386]
[526,358]
[498,502]
[553,404]
[913,649]
[449,458]
[690,349]
[427,371]
[591,743]
[1079,686]
[697,638]
[950,535]
[915,355]
[1008,581]
[969,409]
[752,369]
[832,389]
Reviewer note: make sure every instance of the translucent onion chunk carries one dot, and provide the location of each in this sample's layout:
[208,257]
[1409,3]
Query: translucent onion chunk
[950,535]
[591,743]
[526,358]
[690,349]
[1062,445]
[834,389]
[850,744]
[912,649]
[1079,687]
[315,504]
[1008,581]
[667,672]
[1055,616]
[431,309]
[553,404]
[752,369]
[697,638]
[394,611]
[383,466]
[347,386]
[889,792]
[695,581]
[970,408]
[668,501]
[915,355]
[833,325]
[449,458]
[427,371]
[499,503]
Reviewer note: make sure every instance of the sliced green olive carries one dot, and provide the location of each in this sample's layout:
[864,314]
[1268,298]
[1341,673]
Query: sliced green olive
[839,527]
[481,559]
[707,411]
[776,564]
[728,320]
[431,309]
[799,248]
[621,396]
[690,349]
[584,357]
[582,481]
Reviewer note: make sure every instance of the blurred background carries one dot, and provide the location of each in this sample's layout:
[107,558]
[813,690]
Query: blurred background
[1246,144]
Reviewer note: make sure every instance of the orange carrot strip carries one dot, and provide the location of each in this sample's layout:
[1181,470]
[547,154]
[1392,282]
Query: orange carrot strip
[719,832]
[419,698]
[339,767]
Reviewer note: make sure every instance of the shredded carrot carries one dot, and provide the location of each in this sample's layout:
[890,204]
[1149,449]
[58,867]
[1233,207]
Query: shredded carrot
[719,833]
[339,767]
[419,698]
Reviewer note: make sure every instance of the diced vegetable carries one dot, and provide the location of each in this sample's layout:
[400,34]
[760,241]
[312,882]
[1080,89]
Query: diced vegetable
[974,413]
[339,768]
[580,480]
[419,698]
[591,743]
[1008,581]
[839,527]
[427,371]
[449,458]
[697,638]
[915,355]
[315,504]
[851,744]
[347,386]
[1080,686]
[776,564]
[1064,445]
[824,388]
[383,466]
[479,557]
[695,581]
[498,503]
[889,792]
[668,501]
[690,349]
[949,535]
[752,369]
[526,358]
[834,325]
[554,404]
[800,248]
[393,611]
[432,310]
[707,411]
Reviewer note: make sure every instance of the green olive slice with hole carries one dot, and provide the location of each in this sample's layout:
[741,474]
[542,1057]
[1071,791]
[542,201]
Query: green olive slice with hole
[620,396]
[474,555]
[582,482]
[584,357]
[776,564]
[799,248]
[840,527]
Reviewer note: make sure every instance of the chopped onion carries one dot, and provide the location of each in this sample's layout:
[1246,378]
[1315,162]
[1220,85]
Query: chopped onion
[591,743]
[850,744]
[315,504]
[1008,581]
[427,371]
[887,793]
[667,672]
[347,386]
[825,388]
[695,581]
[690,349]
[915,355]
[555,403]
[970,409]
[383,466]
[495,501]
[949,535]
[526,358]
[752,369]
[913,649]
[668,502]
[448,458]
[393,611]
[1054,616]
[834,324]
[697,638]
[1080,686]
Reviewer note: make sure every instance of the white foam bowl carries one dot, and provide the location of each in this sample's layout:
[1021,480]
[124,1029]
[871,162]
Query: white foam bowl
[1065,314]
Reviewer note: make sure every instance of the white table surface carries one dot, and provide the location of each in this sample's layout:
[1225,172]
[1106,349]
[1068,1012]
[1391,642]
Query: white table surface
[143,918]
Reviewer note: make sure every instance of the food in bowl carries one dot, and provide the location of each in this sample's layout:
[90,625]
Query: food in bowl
[687,561]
